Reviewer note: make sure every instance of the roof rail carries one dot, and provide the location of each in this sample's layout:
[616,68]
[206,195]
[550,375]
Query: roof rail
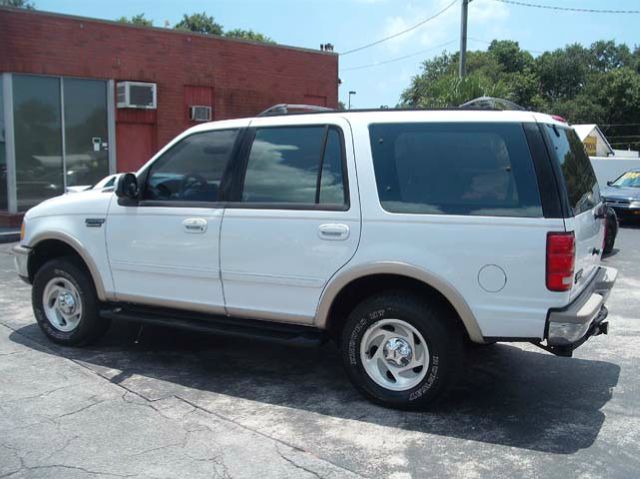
[488,102]
[285,109]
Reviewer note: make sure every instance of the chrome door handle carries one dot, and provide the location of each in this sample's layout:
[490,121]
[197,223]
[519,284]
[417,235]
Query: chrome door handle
[195,225]
[335,232]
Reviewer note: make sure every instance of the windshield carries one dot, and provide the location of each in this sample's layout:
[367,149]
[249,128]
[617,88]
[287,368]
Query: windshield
[631,179]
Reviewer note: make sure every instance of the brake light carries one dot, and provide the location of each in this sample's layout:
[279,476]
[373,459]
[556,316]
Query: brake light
[559,118]
[561,259]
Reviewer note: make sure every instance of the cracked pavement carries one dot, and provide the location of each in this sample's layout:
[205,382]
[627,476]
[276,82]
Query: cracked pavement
[159,403]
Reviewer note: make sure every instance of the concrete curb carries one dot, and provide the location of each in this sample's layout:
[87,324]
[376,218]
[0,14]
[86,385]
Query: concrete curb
[10,237]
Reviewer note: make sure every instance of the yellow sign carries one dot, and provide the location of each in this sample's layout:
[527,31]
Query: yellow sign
[590,145]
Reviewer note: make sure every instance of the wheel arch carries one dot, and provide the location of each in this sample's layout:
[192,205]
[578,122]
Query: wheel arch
[52,245]
[389,275]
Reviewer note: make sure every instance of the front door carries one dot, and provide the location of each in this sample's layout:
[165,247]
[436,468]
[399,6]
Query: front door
[294,222]
[164,251]
[86,138]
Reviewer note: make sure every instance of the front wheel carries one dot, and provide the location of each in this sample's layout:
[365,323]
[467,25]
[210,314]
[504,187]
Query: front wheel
[402,351]
[65,303]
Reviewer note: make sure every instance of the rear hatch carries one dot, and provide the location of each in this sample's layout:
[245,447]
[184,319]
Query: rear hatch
[582,196]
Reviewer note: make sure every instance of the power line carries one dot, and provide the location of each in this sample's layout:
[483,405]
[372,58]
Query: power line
[566,9]
[419,24]
[392,60]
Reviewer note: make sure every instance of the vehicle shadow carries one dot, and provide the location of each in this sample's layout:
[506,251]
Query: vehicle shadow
[508,396]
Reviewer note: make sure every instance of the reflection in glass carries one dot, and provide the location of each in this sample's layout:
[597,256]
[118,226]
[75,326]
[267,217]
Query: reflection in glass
[283,165]
[331,184]
[38,141]
[85,127]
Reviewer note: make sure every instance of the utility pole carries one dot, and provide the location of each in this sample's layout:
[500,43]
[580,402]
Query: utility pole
[463,37]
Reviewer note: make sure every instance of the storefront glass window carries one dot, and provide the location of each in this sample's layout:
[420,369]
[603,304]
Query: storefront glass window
[38,139]
[85,126]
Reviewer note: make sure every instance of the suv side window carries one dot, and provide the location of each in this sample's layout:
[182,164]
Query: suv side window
[579,177]
[192,169]
[296,165]
[455,168]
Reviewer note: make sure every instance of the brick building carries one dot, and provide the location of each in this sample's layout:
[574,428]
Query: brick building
[81,98]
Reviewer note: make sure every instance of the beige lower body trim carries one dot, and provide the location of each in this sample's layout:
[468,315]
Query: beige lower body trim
[401,269]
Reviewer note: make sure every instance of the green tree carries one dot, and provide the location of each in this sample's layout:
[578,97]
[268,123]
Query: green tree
[199,23]
[248,35]
[27,4]
[563,72]
[607,56]
[139,20]
[509,56]
[451,91]
[599,84]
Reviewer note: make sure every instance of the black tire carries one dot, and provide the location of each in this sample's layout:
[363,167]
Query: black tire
[90,326]
[435,322]
[611,231]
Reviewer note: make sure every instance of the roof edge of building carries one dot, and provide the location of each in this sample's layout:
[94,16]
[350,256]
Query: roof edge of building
[170,31]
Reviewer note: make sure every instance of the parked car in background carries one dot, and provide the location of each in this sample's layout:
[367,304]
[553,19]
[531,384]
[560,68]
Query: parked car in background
[623,195]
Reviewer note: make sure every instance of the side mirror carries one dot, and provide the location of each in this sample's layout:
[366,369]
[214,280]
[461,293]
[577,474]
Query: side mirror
[127,186]
[609,183]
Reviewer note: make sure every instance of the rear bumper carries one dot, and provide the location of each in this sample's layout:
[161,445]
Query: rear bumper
[21,260]
[584,317]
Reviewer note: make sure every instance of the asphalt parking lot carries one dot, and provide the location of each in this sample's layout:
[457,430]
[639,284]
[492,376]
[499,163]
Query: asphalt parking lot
[176,404]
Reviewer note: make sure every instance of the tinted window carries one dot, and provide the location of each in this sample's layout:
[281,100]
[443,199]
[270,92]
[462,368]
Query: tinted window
[286,165]
[454,168]
[332,183]
[192,169]
[579,178]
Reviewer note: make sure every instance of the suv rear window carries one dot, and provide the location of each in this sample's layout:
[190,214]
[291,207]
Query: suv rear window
[455,168]
[579,178]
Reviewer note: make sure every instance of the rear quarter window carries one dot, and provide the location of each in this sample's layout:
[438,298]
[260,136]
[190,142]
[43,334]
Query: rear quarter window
[579,178]
[454,168]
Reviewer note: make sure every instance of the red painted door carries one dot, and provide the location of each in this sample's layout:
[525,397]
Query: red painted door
[135,145]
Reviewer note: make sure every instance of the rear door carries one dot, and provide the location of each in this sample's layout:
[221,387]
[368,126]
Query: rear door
[583,194]
[294,221]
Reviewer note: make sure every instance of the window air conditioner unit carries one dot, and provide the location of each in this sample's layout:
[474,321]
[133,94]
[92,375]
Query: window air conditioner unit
[200,113]
[135,94]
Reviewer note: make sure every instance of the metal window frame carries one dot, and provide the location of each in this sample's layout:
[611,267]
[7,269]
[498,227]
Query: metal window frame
[63,136]
[111,125]
[10,147]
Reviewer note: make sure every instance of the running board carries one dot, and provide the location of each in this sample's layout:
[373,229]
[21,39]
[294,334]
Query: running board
[291,334]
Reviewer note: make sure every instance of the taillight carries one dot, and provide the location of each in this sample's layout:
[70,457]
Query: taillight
[561,259]
[559,118]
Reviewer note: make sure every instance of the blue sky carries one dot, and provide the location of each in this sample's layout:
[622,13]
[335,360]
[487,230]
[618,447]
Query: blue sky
[349,24]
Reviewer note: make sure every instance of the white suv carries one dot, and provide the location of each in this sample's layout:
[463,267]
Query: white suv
[401,235]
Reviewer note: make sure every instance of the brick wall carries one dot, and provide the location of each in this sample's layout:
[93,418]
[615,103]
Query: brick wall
[245,77]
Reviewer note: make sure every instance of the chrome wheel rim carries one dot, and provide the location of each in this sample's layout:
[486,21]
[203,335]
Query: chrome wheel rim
[62,304]
[394,354]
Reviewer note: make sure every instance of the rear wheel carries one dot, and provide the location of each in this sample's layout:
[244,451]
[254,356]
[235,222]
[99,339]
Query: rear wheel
[65,303]
[402,351]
